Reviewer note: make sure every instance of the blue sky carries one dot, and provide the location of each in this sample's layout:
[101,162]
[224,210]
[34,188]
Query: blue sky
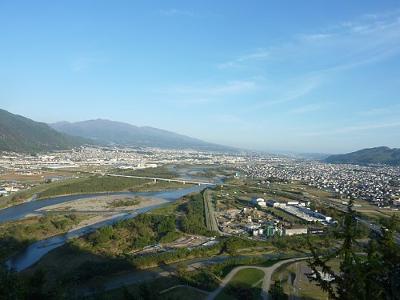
[304,76]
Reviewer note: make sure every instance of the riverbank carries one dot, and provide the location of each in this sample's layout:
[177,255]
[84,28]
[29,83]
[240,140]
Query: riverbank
[37,250]
[86,185]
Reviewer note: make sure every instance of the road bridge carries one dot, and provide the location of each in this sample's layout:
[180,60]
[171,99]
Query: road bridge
[155,179]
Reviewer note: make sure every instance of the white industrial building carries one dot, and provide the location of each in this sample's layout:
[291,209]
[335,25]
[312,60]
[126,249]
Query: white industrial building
[259,201]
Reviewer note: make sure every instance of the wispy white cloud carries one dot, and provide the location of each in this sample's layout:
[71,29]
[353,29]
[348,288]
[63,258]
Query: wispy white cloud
[354,128]
[306,109]
[85,62]
[230,119]
[203,93]
[290,91]
[313,58]
[230,87]
[315,37]
[350,44]
[173,12]
[380,111]
[257,55]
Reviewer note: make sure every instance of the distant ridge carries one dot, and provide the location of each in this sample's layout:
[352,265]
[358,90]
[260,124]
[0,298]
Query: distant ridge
[377,155]
[118,133]
[20,134]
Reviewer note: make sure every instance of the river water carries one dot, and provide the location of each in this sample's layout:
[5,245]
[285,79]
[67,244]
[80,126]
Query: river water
[37,250]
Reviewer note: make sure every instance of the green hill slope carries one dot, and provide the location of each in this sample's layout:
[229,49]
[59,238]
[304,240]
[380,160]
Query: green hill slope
[378,155]
[21,134]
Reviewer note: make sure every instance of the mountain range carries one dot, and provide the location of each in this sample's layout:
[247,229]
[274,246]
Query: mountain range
[21,134]
[377,155]
[124,134]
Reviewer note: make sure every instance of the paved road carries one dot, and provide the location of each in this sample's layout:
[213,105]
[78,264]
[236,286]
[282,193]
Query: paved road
[268,271]
[168,270]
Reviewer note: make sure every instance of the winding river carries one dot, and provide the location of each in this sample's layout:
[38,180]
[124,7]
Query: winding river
[37,250]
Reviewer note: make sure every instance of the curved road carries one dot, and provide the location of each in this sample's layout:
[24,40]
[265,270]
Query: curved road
[168,270]
[268,271]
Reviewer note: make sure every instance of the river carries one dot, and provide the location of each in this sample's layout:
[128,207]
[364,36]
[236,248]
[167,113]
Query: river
[37,250]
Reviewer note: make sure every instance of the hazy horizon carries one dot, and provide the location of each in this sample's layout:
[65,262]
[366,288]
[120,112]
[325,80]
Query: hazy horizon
[290,77]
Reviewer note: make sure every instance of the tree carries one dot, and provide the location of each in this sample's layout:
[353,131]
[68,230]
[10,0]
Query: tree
[360,276]
[11,286]
[276,292]
[383,264]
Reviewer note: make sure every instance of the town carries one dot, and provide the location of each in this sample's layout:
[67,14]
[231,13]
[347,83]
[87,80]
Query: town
[379,185]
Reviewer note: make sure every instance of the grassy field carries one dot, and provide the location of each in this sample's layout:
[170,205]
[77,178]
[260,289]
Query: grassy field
[95,184]
[246,283]
[88,183]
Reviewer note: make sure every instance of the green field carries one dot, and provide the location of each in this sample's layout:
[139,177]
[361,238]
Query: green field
[246,284]
[97,184]
[87,183]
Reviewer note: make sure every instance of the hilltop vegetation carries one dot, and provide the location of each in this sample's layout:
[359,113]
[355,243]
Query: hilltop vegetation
[378,155]
[20,134]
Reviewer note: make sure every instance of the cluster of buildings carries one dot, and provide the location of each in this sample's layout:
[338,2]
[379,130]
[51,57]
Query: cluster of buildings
[379,185]
[301,211]
[8,187]
[115,157]
[99,159]
[259,223]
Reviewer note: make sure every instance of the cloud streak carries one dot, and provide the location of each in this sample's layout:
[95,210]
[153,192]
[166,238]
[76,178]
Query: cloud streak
[355,128]
[340,47]
[206,93]
[257,55]
[174,12]
[305,109]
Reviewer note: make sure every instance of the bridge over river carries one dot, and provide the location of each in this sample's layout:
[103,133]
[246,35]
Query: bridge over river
[155,179]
